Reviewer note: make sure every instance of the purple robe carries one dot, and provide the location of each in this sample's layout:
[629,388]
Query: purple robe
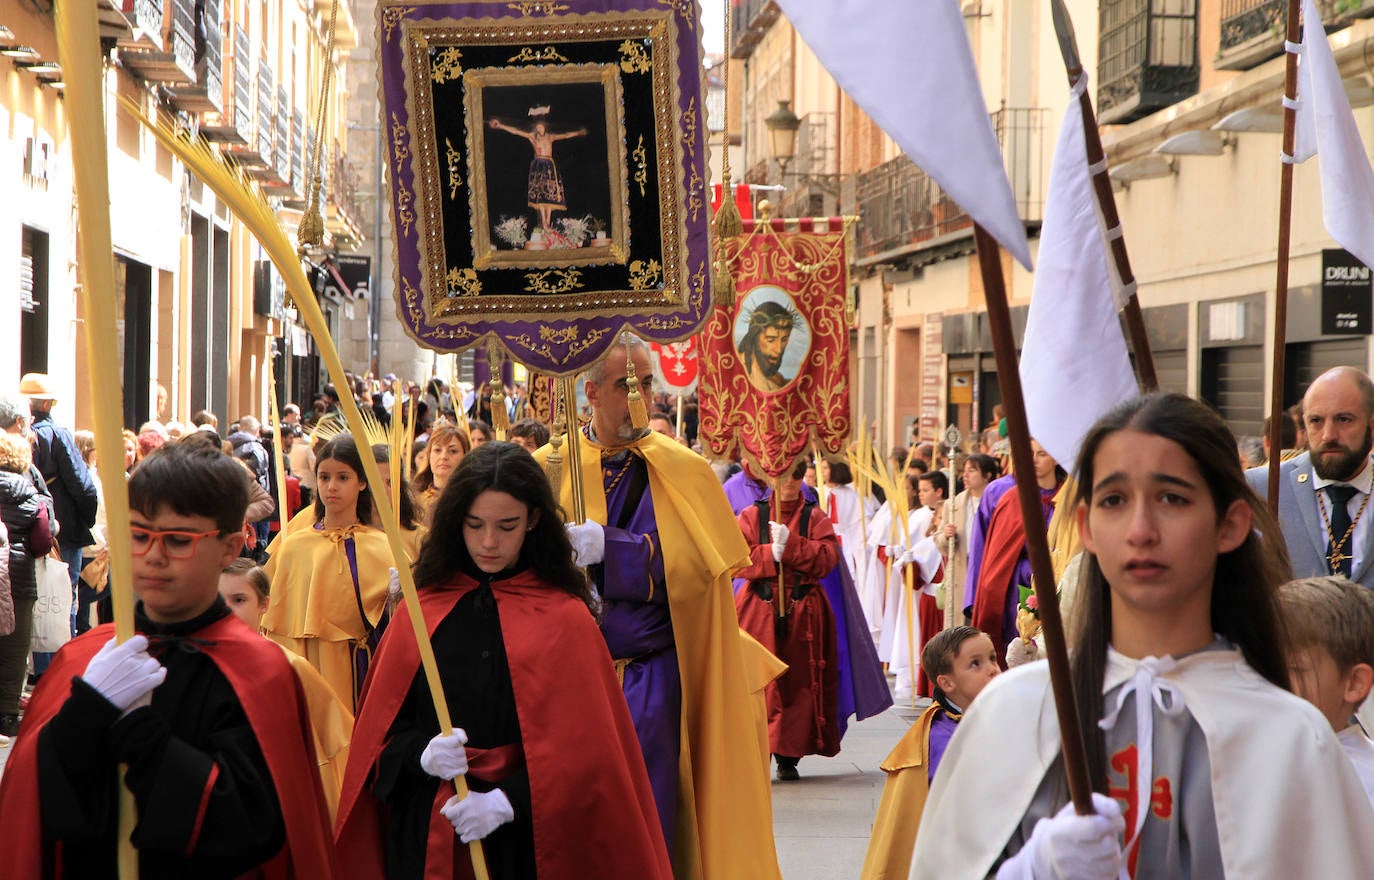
[638,627]
[978,534]
[741,491]
[941,731]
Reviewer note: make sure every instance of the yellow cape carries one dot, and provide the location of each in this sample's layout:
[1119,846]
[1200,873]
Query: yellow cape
[725,810]
[331,725]
[312,610]
[904,799]
[305,518]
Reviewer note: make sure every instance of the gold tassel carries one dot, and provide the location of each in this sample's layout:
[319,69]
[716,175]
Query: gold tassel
[553,465]
[727,224]
[310,232]
[639,414]
[500,419]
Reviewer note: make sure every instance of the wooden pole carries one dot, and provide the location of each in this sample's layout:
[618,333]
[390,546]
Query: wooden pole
[78,44]
[1276,409]
[1037,542]
[1109,221]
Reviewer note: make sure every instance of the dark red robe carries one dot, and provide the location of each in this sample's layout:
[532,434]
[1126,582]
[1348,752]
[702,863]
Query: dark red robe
[592,810]
[270,693]
[1003,549]
[802,703]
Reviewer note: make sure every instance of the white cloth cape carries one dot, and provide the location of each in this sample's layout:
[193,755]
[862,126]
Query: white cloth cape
[1287,803]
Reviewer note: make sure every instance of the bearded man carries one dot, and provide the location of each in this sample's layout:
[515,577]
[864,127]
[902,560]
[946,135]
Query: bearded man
[1324,492]
[763,345]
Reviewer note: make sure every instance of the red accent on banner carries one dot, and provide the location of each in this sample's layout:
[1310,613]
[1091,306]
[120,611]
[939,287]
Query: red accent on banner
[775,367]
[679,364]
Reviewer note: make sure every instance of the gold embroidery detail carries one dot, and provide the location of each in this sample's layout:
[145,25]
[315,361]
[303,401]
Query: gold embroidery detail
[558,337]
[563,281]
[452,157]
[694,189]
[641,157]
[400,148]
[644,275]
[463,282]
[634,59]
[392,17]
[446,66]
[684,9]
[548,53]
[576,342]
[527,8]
[689,122]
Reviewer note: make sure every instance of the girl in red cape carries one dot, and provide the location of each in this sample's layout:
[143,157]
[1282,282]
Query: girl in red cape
[557,780]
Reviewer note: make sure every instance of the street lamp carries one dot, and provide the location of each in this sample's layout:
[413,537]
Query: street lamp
[782,125]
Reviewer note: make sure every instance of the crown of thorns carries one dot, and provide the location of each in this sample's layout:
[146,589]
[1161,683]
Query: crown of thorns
[786,318]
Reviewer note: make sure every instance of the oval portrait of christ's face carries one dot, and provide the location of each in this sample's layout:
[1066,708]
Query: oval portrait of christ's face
[772,338]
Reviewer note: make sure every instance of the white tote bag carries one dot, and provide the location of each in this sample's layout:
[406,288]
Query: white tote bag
[52,613]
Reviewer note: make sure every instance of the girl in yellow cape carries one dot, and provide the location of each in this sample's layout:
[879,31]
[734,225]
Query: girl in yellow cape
[330,581]
[959,661]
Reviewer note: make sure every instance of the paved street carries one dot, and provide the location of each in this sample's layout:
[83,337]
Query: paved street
[822,822]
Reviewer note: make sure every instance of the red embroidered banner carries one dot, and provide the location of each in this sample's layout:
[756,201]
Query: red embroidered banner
[775,367]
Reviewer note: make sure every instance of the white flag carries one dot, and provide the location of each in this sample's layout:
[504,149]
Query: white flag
[1326,125]
[908,65]
[1074,365]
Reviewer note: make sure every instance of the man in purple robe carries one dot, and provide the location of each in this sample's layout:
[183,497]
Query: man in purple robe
[660,553]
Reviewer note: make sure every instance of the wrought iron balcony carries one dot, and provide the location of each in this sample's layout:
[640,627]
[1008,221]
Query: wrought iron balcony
[233,124]
[749,21]
[902,209]
[206,93]
[1147,57]
[1252,30]
[342,213]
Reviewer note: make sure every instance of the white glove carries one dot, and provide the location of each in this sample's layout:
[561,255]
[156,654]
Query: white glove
[1072,847]
[124,674]
[895,552]
[588,542]
[445,757]
[393,585]
[907,557]
[779,533]
[478,814]
[1021,652]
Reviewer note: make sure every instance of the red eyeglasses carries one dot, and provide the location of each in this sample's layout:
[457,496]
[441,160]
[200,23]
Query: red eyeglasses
[175,544]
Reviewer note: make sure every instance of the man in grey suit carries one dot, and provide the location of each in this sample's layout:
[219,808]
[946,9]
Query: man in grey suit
[1324,493]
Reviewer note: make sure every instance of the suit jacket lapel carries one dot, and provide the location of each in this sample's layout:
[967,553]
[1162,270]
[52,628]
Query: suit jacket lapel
[1306,495]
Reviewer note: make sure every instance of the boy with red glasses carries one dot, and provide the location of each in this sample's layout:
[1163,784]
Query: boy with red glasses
[206,716]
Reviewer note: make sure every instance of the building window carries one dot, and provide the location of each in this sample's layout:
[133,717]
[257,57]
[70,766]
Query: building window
[1147,56]
[33,302]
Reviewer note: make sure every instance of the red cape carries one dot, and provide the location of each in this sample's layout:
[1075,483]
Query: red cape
[593,810]
[261,676]
[1002,549]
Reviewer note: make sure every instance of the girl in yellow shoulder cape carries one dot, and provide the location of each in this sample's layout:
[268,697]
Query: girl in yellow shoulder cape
[330,581]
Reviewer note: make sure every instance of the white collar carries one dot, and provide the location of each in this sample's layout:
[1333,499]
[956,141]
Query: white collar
[1363,481]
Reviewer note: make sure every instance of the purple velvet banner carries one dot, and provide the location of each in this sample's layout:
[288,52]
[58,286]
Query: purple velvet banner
[548,174]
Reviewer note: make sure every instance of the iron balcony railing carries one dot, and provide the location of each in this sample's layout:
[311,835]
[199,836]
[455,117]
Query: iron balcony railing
[900,205]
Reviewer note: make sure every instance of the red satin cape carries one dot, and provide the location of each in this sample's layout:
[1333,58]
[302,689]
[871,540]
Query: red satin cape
[593,810]
[261,678]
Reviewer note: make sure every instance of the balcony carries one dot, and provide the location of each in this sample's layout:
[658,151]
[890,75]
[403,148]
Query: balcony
[206,95]
[233,123]
[342,213]
[133,24]
[749,21]
[1147,57]
[171,61]
[1252,30]
[903,211]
